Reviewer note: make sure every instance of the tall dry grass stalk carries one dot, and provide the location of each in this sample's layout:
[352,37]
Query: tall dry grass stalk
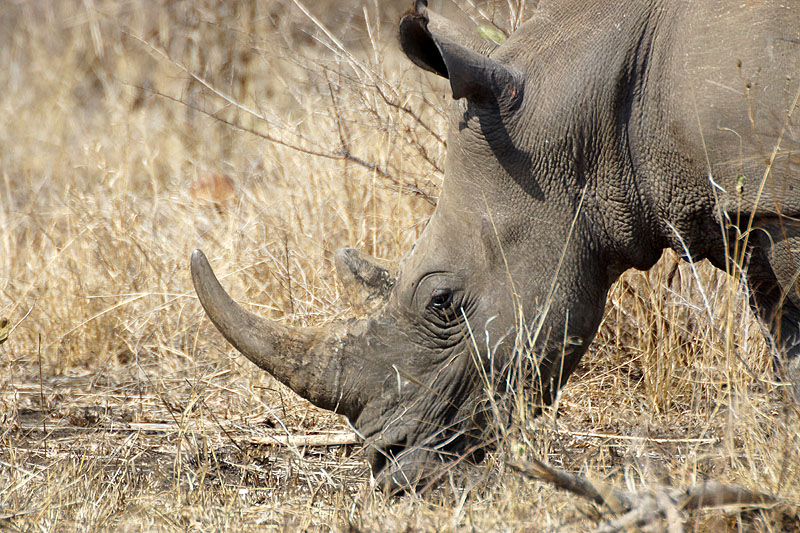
[134,132]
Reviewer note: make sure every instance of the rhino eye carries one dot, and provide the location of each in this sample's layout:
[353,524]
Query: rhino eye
[438,297]
[441,299]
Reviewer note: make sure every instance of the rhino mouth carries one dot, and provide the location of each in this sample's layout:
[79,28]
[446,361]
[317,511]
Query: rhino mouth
[399,469]
[403,463]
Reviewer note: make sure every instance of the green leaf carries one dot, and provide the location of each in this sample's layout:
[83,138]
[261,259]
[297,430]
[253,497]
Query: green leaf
[740,184]
[490,33]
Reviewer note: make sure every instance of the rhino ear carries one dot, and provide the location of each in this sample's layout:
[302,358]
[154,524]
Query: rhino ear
[472,75]
[367,283]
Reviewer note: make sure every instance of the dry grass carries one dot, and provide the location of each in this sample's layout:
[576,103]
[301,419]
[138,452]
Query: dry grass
[121,408]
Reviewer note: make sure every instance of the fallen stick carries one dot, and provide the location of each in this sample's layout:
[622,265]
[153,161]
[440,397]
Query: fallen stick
[333,438]
[716,494]
[638,509]
[616,500]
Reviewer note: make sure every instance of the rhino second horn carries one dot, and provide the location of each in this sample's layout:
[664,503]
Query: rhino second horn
[304,359]
[366,281]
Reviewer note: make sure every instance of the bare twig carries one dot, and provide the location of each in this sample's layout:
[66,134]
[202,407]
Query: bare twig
[344,153]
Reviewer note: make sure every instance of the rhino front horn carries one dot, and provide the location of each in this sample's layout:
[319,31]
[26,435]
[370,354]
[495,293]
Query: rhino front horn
[307,360]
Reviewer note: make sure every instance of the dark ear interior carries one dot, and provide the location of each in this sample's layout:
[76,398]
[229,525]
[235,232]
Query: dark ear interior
[472,75]
[419,46]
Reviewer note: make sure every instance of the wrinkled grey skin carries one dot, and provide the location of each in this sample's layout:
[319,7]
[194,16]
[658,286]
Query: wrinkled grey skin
[596,136]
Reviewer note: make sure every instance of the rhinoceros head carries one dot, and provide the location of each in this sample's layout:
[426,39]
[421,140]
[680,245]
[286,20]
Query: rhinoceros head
[507,260]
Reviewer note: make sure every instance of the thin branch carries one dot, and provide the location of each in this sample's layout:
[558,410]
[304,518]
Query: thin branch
[342,155]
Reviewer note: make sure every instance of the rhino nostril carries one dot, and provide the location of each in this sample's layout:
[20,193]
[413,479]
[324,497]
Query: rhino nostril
[394,451]
[385,455]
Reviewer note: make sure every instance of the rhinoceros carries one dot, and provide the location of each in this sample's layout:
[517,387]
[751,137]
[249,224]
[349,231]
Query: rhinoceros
[597,135]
